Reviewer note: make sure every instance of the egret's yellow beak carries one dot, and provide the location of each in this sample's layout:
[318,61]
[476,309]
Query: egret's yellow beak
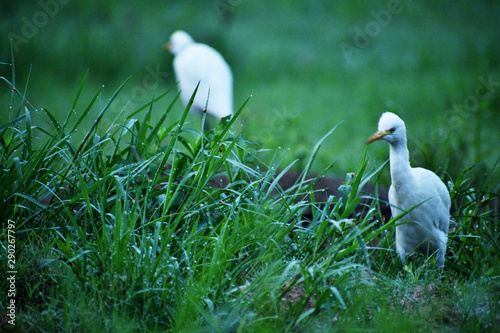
[167,46]
[377,136]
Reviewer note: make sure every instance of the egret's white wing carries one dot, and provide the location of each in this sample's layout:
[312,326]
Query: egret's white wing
[437,196]
[201,63]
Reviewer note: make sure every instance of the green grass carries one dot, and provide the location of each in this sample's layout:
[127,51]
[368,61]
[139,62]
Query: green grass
[121,222]
[121,226]
[287,55]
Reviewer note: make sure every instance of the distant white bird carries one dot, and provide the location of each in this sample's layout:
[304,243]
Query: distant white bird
[427,231]
[199,63]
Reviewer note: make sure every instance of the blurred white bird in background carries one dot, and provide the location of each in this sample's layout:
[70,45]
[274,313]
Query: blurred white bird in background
[427,231]
[199,63]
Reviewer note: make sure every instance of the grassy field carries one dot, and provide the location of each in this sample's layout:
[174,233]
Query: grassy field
[112,194]
[426,61]
[129,230]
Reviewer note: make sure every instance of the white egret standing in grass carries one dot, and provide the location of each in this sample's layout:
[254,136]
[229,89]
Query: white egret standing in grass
[199,63]
[417,188]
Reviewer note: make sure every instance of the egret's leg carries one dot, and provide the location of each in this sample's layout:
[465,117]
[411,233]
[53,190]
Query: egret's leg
[402,256]
[440,256]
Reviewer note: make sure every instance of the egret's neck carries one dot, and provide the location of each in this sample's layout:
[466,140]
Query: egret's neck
[399,162]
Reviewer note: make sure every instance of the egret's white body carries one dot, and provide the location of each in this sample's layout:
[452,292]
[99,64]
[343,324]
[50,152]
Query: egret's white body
[199,63]
[417,191]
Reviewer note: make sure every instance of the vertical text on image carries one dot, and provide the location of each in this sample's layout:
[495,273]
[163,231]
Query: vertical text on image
[11,272]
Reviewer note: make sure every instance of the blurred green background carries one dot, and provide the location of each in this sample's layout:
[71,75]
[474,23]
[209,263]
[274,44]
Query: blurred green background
[308,66]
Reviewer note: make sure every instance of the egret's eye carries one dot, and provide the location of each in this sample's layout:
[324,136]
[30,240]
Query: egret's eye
[392,130]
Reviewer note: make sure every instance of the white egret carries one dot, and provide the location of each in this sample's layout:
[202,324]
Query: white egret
[417,188]
[199,63]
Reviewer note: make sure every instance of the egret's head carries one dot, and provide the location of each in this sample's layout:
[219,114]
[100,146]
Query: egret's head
[391,129]
[178,41]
